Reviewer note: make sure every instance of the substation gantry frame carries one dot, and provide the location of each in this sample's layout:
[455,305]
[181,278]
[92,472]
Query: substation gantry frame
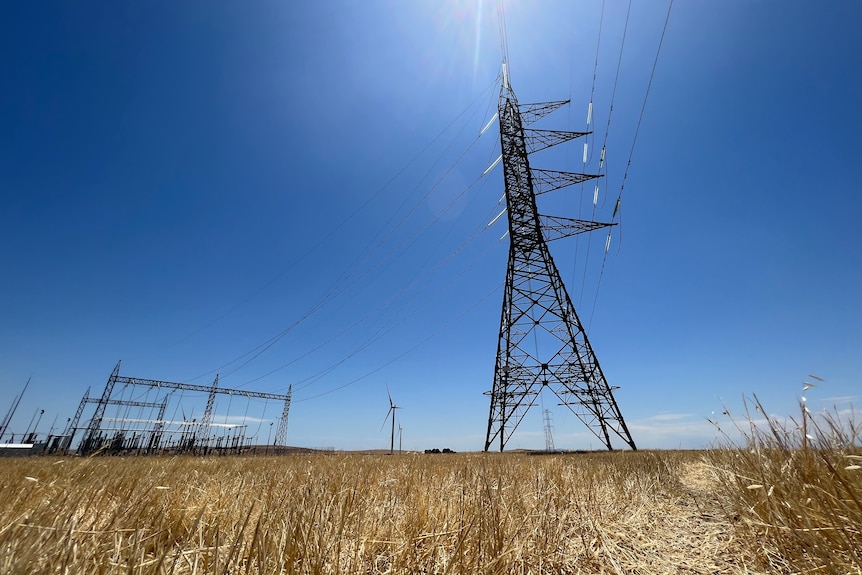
[91,441]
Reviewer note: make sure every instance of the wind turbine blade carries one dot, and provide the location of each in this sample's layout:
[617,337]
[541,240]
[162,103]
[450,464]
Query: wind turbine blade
[385,419]
[389,395]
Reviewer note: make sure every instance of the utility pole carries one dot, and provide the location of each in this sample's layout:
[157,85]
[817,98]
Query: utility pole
[542,344]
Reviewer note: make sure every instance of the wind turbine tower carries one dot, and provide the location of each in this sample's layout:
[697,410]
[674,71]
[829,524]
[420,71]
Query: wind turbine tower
[392,408]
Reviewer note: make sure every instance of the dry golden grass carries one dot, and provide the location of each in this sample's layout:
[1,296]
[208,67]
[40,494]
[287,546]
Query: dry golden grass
[624,512]
[645,512]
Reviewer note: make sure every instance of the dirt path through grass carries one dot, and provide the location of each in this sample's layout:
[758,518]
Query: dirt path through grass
[683,531]
[699,536]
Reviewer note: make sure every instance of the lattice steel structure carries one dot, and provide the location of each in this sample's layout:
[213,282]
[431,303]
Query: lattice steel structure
[549,432]
[72,427]
[92,441]
[542,343]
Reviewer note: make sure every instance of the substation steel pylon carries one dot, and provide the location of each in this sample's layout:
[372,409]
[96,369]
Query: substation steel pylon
[542,343]
[281,434]
[91,439]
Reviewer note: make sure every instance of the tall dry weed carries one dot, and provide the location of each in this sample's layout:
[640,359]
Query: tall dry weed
[794,486]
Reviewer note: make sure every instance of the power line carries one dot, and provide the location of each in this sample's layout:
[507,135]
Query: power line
[341,285]
[604,148]
[411,349]
[631,154]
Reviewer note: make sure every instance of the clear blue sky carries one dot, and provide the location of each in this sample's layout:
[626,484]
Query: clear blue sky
[181,182]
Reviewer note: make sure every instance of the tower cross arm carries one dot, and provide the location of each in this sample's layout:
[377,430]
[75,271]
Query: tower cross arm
[537,140]
[532,112]
[557,227]
[124,403]
[545,181]
[202,388]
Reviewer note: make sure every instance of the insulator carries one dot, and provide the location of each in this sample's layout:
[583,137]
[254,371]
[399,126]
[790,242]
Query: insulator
[497,217]
[590,114]
[488,125]
[596,195]
[608,243]
[616,208]
[585,152]
[491,167]
[602,157]
[503,236]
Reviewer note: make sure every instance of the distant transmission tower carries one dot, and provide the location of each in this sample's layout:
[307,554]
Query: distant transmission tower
[542,343]
[549,432]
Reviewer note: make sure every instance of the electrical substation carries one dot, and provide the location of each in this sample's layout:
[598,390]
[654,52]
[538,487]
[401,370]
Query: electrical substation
[147,431]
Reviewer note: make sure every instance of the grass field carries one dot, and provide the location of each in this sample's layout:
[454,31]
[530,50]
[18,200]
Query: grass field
[777,504]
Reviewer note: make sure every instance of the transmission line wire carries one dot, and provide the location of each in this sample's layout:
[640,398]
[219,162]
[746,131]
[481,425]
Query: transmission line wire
[403,317]
[604,147]
[631,152]
[344,287]
[338,287]
[424,279]
[589,122]
[413,348]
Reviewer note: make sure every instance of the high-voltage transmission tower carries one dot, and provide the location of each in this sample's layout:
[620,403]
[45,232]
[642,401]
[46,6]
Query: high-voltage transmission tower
[542,343]
[549,432]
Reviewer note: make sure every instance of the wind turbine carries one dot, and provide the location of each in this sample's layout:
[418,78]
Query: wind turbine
[392,408]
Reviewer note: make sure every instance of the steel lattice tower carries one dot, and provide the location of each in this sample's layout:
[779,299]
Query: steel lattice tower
[92,440]
[542,343]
